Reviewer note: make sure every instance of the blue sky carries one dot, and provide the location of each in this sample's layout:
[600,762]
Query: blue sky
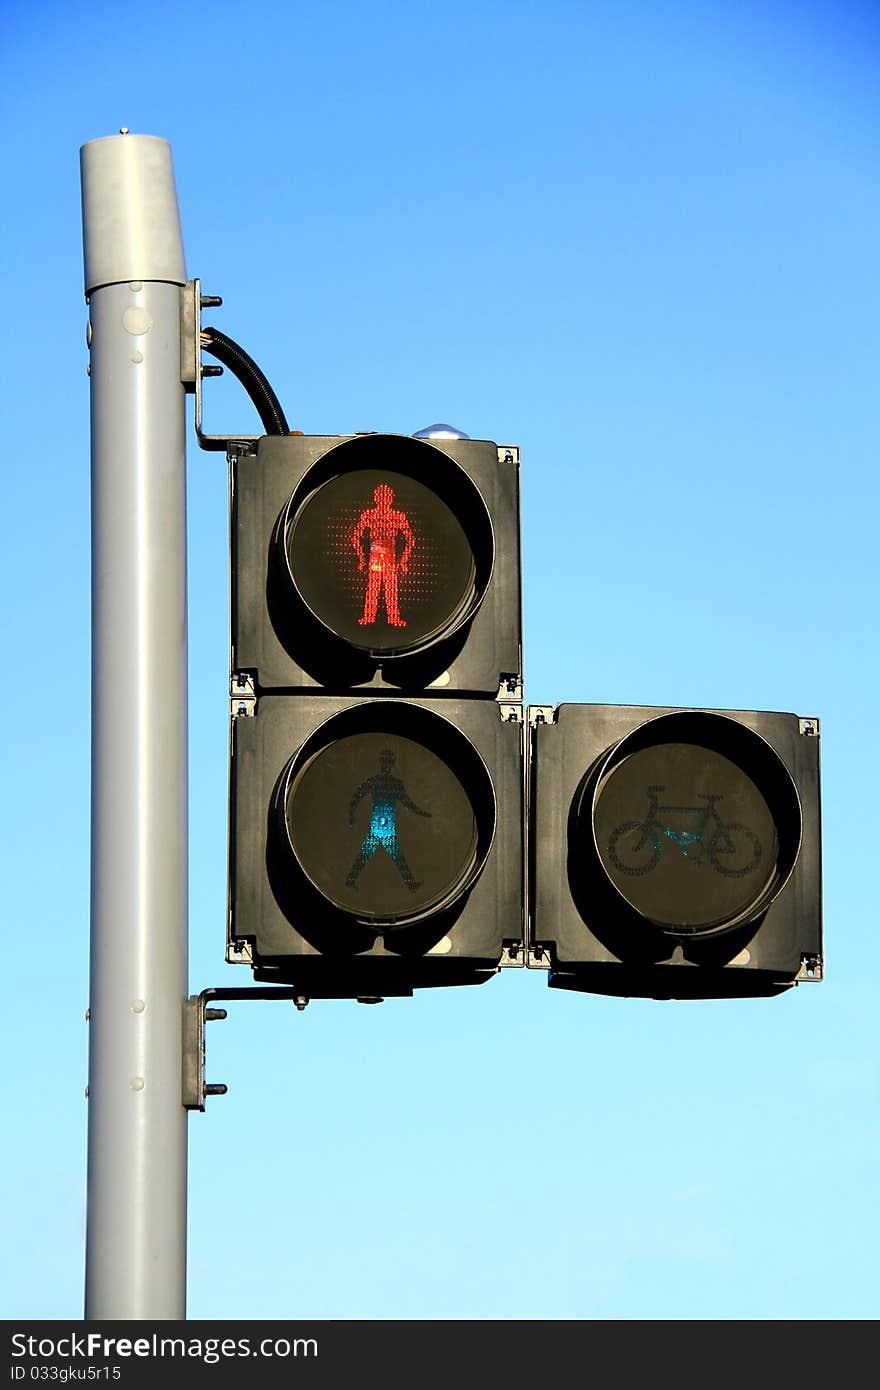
[639,240]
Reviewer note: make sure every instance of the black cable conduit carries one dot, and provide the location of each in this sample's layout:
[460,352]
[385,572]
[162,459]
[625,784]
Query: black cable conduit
[252,379]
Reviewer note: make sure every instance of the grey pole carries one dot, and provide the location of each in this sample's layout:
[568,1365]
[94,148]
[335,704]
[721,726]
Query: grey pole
[136,1186]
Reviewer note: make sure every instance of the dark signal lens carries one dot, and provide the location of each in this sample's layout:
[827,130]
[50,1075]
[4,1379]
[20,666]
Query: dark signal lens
[381,560]
[685,837]
[383,827]
[685,824]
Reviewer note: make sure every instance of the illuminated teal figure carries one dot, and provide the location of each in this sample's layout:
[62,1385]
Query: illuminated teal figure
[387,793]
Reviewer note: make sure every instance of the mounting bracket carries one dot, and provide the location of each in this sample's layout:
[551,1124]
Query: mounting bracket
[192,371]
[197,1011]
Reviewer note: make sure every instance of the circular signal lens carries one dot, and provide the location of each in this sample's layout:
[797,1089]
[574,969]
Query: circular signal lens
[382,560]
[685,823]
[386,828]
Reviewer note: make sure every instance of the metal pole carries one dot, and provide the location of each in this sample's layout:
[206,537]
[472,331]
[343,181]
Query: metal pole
[136,1186]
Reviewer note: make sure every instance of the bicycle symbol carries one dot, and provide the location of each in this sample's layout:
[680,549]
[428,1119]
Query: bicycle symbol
[732,849]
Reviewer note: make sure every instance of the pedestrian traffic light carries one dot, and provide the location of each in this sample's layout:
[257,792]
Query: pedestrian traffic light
[378,561]
[376,812]
[378,843]
[674,853]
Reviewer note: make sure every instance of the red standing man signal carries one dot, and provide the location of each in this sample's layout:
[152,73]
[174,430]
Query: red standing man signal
[384,524]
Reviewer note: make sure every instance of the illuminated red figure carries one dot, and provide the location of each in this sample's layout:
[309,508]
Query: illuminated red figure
[383,564]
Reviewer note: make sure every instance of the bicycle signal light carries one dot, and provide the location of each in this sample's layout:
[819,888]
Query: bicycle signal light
[674,853]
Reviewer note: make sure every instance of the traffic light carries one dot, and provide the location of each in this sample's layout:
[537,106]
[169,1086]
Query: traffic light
[674,853]
[379,562]
[376,812]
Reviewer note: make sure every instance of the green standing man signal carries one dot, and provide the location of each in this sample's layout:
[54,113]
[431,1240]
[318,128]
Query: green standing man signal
[387,792]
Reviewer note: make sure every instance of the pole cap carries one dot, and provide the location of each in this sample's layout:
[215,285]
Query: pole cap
[131,223]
